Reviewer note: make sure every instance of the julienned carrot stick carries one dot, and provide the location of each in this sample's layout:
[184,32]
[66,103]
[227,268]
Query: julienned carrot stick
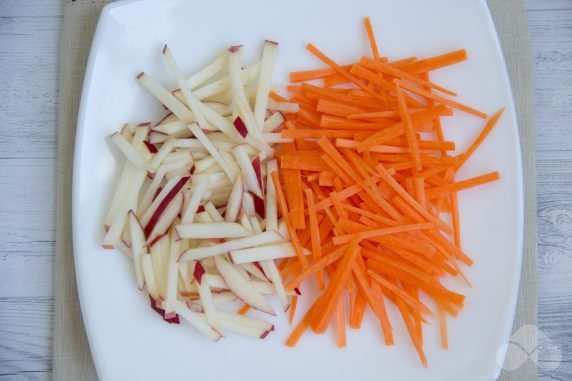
[434,63]
[327,303]
[243,310]
[292,310]
[388,69]
[308,75]
[340,240]
[433,193]
[366,181]
[286,216]
[397,129]
[409,131]
[340,325]
[442,100]
[303,160]
[315,234]
[315,51]
[371,37]
[407,197]
[376,303]
[491,123]
[408,299]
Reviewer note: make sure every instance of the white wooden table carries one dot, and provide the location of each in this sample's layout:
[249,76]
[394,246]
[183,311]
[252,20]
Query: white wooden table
[29,46]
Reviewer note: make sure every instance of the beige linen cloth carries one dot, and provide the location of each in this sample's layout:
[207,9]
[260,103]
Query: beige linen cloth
[71,356]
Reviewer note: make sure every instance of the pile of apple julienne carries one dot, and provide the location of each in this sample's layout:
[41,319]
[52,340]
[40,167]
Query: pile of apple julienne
[200,208]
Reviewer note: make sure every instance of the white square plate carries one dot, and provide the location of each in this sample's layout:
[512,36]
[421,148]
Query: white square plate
[130,342]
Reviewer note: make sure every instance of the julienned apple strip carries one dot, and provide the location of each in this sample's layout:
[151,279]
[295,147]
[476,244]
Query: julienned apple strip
[266,238]
[125,178]
[208,72]
[264,81]
[207,198]
[271,272]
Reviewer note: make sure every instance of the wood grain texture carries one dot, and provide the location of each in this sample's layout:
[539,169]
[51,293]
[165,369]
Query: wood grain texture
[29,41]
[550,24]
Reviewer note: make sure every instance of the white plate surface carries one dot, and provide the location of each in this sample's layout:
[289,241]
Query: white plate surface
[130,342]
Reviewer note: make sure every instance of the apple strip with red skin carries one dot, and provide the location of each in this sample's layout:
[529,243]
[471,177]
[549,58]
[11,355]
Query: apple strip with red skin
[149,275]
[245,113]
[196,320]
[138,247]
[261,253]
[242,288]
[167,147]
[193,103]
[271,217]
[245,325]
[175,129]
[273,122]
[266,238]
[235,75]
[234,201]
[192,144]
[152,189]
[200,135]
[170,117]
[190,210]
[245,164]
[248,205]
[205,164]
[178,155]
[159,265]
[125,179]
[265,288]
[273,274]
[206,298]
[242,272]
[244,220]
[240,103]
[172,270]
[285,107]
[218,121]
[208,72]
[183,271]
[117,226]
[213,212]
[264,81]
[124,249]
[228,129]
[213,230]
[224,84]
[223,109]
[166,98]
[183,171]
[254,271]
[156,137]
[130,152]
[217,298]
[255,223]
[283,230]
[275,138]
[167,194]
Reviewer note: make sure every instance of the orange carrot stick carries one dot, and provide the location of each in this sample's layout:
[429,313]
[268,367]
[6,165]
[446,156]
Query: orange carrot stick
[286,216]
[458,186]
[371,37]
[442,100]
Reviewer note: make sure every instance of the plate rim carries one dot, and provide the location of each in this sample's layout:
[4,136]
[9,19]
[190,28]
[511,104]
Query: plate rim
[105,17]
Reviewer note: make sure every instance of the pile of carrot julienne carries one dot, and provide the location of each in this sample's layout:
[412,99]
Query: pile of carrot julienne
[364,187]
